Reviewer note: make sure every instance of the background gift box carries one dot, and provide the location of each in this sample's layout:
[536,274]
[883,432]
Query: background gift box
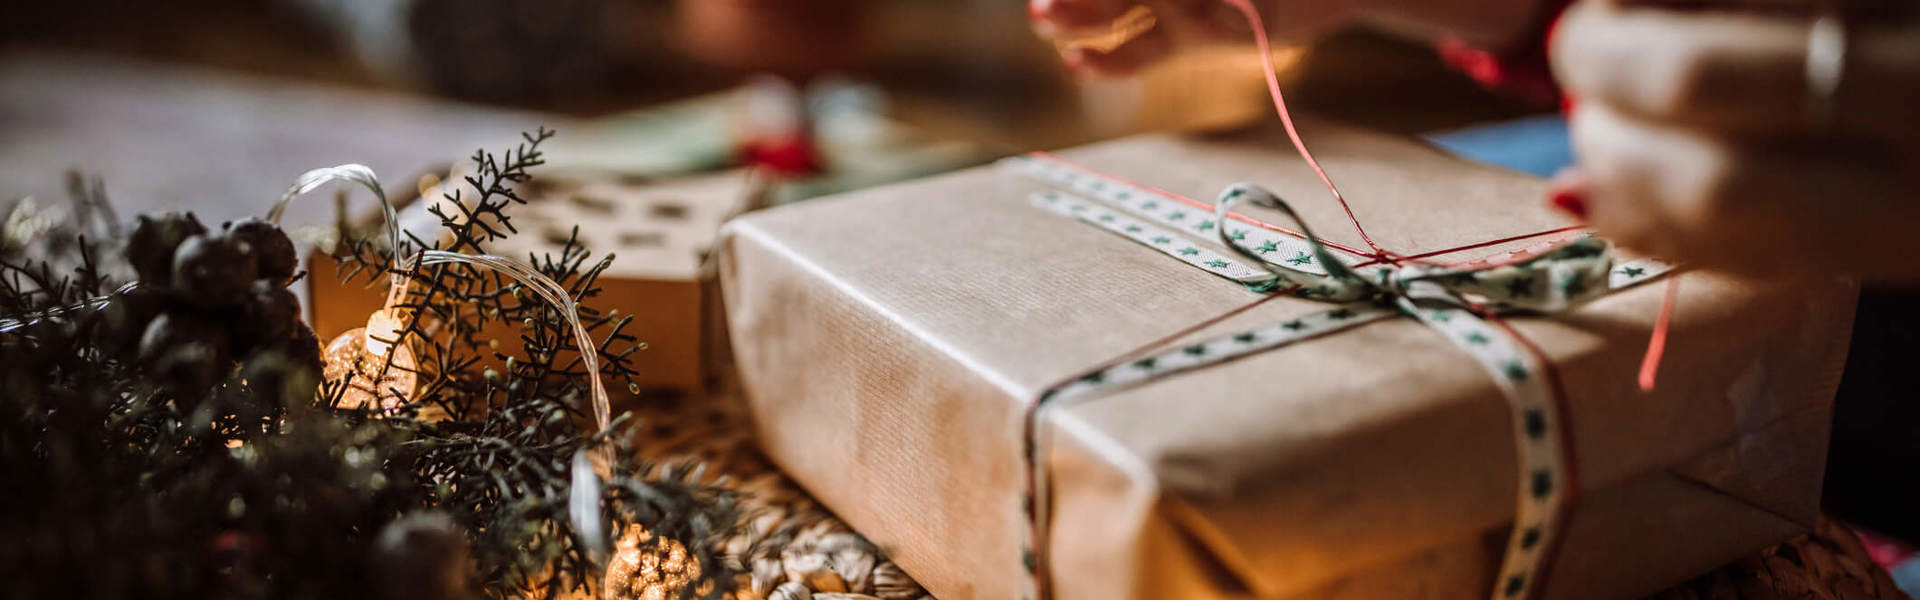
[660,230]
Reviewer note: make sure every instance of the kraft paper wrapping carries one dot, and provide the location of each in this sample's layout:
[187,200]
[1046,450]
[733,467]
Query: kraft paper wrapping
[890,340]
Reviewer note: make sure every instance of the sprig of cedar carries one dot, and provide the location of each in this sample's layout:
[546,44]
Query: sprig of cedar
[132,488]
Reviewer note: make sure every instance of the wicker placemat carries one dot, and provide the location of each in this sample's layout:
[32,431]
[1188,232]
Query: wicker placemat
[795,550]
[1828,563]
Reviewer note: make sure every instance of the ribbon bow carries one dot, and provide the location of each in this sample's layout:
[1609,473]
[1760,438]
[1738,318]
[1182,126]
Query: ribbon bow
[1568,274]
[1461,302]
[1565,275]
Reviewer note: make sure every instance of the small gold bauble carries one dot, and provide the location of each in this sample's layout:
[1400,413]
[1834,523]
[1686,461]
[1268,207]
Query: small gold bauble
[644,567]
[383,371]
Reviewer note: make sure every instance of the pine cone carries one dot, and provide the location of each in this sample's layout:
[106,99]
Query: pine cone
[278,380]
[155,238]
[270,246]
[423,556]
[185,351]
[213,271]
[124,319]
[303,348]
[269,316]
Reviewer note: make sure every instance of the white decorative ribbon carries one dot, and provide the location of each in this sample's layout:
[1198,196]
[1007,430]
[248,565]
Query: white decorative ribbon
[1157,207]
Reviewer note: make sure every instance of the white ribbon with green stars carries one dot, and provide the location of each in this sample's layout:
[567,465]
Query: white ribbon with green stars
[1448,299]
[1158,208]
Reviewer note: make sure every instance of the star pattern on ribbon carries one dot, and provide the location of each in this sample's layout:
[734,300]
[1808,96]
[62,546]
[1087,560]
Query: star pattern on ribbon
[1152,206]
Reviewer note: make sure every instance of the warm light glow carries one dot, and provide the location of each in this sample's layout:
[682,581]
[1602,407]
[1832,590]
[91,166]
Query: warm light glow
[364,352]
[642,568]
[383,329]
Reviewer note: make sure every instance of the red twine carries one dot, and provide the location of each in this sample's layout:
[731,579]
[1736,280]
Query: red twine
[1657,342]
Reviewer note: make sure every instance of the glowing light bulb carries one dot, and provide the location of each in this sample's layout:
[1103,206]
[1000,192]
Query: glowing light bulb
[364,353]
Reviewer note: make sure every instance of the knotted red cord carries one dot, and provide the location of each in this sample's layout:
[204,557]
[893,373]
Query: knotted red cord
[1280,106]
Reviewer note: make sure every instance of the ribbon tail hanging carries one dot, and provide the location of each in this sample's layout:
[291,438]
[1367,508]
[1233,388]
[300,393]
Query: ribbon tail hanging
[1546,471]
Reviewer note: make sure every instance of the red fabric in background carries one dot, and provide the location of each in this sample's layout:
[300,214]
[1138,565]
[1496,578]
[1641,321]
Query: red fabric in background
[1521,69]
[1885,550]
[789,156]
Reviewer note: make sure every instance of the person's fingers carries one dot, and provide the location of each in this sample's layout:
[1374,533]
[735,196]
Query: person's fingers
[1073,15]
[1680,195]
[1767,7]
[1718,69]
[1732,72]
[1111,37]
[1644,188]
[1862,9]
[1186,20]
[1207,19]
[1126,59]
[1075,18]
[1567,193]
[1882,77]
[1620,201]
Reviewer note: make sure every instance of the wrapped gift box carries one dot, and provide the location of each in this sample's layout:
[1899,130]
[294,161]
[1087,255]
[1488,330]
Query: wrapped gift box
[890,342]
[660,231]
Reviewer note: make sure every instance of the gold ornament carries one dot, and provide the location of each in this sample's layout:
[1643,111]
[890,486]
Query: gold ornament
[383,371]
[645,567]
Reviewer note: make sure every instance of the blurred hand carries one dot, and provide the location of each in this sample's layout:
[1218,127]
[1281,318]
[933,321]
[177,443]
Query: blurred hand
[1178,23]
[1695,140]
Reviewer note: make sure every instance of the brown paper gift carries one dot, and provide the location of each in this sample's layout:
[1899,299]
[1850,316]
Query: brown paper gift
[661,231]
[891,340]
